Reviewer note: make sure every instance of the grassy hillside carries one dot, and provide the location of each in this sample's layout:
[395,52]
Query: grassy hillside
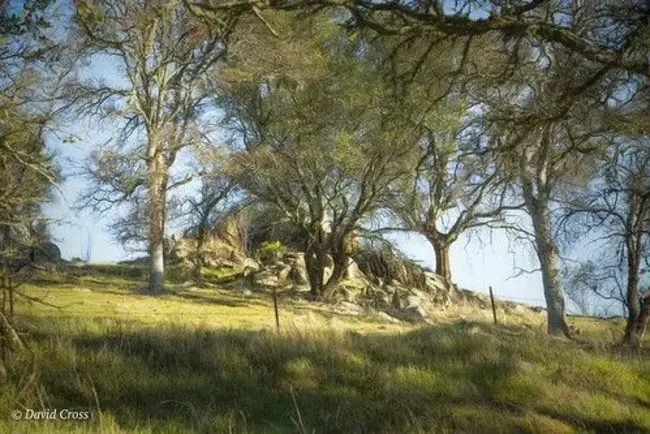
[210,360]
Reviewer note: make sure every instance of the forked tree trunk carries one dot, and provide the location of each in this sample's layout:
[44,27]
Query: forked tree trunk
[340,260]
[637,310]
[157,177]
[638,322]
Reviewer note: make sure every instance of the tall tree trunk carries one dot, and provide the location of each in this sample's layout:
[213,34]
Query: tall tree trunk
[198,260]
[157,177]
[443,269]
[631,297]
[644,315]
[4,352]
[548,260]
[315,264]
[4,336]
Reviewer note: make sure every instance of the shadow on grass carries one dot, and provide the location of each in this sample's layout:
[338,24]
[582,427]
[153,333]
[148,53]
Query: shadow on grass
[213,299]
[76,273]
[465,377]
[591,424]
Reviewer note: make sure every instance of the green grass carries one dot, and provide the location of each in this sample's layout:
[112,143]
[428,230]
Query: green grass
[209,360]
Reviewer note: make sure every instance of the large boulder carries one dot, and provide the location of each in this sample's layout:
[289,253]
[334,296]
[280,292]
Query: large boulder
[272,276]
[266,278]
[251,264]
[298,275]
[298,269]
[435,283]
[353,272]
[387,265]
[411,305]
[223,245]
[282,271]
[348,308]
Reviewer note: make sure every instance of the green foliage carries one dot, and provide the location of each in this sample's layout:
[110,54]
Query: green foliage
[89,12]
[321,144]
[271,250]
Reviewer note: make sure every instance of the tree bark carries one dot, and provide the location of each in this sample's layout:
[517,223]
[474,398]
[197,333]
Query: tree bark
[443,268]
[636,319]
[157,178]
[4,339]
[643,317]
[636,324]
[340,260]
[631,298]
[4,352]
[198,260]
[315,264]
[548,259]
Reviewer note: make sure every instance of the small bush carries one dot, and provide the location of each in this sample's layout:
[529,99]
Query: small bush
[271,250]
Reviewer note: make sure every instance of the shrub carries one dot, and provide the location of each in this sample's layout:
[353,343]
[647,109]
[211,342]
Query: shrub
[271,250]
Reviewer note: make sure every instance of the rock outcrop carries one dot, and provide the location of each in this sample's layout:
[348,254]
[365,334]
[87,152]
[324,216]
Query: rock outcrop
[380,280]
[359,293]
[223,245]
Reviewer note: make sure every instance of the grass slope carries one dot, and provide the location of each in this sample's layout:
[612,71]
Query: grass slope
[210,361]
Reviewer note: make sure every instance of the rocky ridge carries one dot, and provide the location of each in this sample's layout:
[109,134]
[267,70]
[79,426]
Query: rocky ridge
[360,294]
[379,281]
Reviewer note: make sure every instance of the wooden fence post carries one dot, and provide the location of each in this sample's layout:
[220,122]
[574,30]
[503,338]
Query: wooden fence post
[275,308]
[494,309]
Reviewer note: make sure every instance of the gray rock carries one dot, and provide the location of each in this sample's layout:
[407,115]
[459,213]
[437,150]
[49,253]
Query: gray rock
[381,299]
[298,271]
[413,301]
[353,271]
[435,282]
[348,308]
[282,273]
[225,263]
[266,278]
[251,263]
[386,317]
[289,257]
[327,273]
[416,313]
